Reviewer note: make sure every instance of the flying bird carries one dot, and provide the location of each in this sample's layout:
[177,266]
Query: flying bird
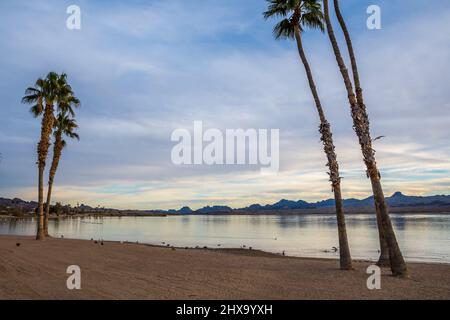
[378,138]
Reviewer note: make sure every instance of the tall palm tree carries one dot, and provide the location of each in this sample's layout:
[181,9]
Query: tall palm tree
[43,96]
[65,101]
[361,126]
[297,15]
[384,249]
[63,125]
[39,95]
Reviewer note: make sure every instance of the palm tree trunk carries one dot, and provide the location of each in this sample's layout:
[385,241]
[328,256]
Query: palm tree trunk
[327,139]
[57,148]
[47,207]
[361,126]
[40,235]
[383,259]
[43,145]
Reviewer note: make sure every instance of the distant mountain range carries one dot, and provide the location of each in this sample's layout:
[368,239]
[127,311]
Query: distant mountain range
[18,203]
[397,200]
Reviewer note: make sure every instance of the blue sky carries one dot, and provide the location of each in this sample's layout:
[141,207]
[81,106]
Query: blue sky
[145,68]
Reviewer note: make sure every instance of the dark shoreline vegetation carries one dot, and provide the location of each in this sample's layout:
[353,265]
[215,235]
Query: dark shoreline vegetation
[144,214]
[398,204]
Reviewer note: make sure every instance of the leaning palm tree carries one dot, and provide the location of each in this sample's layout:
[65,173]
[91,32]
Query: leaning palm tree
[63,126]
[384,249]
[361,126]
[297,15]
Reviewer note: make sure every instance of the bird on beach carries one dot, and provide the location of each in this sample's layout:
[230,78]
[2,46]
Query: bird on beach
[18,244]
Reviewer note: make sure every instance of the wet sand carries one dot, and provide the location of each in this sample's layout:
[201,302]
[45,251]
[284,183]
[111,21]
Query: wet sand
[37,270]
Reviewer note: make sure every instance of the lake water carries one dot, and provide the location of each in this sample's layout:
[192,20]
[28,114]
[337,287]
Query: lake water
[422,237]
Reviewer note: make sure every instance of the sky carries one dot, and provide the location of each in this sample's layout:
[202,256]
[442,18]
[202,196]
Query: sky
[143,69]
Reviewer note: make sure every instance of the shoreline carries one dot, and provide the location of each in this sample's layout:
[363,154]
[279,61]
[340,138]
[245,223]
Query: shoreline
[114,270]
[247,251]
[235,250]
[276,214]
[440,257]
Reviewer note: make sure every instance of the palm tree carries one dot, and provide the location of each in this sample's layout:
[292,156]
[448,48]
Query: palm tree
[361,126]
[65,100]
[384,249]
[63,126]
[43,96]
[42,93]
[297,15]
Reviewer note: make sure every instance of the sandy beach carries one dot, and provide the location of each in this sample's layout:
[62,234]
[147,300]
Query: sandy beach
[37,270]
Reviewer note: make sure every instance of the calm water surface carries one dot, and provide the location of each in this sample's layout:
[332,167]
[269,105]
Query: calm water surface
[422,237]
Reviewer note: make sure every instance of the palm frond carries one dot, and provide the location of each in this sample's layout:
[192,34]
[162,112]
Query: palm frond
[32,98]
[32,91]
[53,89]
[74,136]
[283,30]
[312,16]
[64,125]
[36,110]
[306,13]
[276,8]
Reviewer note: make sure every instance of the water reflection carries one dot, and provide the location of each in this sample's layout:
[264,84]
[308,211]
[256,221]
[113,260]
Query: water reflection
[422,237]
